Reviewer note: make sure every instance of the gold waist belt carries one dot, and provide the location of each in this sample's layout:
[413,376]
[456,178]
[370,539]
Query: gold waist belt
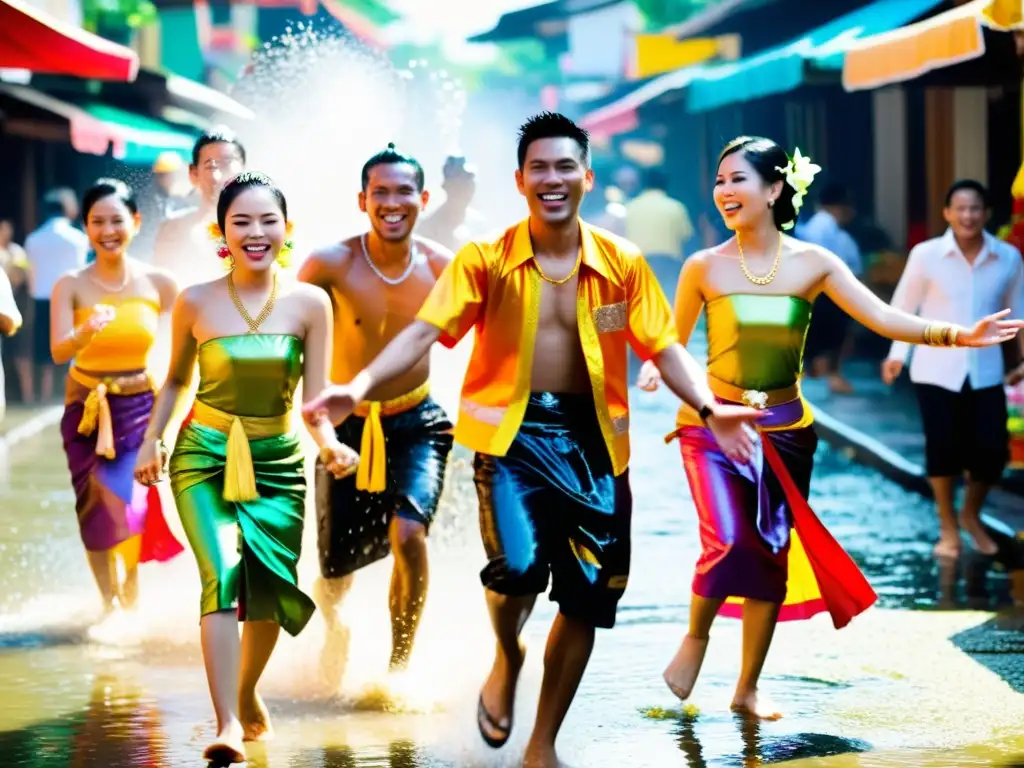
[239,475]
[372,470]
[96,415]
[752,397]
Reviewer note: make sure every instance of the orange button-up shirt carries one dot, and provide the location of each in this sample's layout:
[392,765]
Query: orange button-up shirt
[496,289]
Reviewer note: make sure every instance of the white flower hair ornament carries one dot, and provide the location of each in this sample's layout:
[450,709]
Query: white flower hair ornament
[799,173]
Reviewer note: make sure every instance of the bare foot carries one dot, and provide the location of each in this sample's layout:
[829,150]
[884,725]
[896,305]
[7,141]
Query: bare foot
[979,538]
[255,719]
[540,756]
[498,698]
[949,545]
[756,705]
[681,673]
[227,748]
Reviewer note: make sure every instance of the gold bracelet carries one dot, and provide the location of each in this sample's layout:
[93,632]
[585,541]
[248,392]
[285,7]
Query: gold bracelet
[940,334]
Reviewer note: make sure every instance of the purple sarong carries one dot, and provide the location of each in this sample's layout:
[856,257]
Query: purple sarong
[112,507]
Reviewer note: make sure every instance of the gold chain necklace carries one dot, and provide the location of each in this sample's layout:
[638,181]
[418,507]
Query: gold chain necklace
[759,279]
[567,278]
[254,325]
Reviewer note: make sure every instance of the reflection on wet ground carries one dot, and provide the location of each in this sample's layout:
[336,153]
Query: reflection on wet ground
[897,688]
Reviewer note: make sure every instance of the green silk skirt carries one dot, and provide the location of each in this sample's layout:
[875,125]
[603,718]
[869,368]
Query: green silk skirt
[247,552]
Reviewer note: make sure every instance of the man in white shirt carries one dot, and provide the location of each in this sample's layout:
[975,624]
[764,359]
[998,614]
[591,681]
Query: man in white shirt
[961,277]
[53,249]
[183,245]
[829,333]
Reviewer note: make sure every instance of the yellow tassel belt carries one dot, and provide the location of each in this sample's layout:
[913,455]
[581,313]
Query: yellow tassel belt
[372,471]
[96,415]
[239,475]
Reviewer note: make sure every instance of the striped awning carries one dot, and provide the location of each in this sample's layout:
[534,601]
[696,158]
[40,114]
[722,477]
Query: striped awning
[32,39]
[943,40]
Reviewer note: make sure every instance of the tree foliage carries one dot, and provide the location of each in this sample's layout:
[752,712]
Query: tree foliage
[101,15]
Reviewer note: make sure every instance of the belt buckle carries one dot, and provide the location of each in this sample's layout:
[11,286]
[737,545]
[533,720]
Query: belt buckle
[755,399]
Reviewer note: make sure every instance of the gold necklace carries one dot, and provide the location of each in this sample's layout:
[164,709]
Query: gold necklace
[254,325]
[759,279]
[567,278]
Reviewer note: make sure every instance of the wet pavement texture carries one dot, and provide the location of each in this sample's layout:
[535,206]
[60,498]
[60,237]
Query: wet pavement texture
[919,680]
[887,414]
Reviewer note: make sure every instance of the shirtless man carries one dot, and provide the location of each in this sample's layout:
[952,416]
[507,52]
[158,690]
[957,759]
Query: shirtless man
[183,245]
[378,282]
[544,404]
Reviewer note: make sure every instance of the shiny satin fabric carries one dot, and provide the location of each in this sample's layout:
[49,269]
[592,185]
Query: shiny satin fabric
[352,524]
[756,341]
[496,288]
[250,375]
[759,538]
[125,342]
[553,506]
[247,552]
[112,508]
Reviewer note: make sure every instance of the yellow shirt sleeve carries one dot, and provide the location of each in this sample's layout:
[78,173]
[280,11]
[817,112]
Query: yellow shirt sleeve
[457,299]
[652,327]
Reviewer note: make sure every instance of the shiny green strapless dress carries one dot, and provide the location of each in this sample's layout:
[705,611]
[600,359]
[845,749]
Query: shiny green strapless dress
[247,551]
[756,341]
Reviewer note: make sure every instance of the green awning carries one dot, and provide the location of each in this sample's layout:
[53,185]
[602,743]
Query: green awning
[142,138]
[377,13]
[786,67]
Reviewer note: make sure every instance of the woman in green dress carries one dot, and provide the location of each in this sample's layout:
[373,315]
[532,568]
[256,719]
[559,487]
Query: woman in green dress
[237,467]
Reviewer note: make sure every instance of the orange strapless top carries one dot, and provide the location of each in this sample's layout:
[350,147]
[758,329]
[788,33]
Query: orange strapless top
[124,344]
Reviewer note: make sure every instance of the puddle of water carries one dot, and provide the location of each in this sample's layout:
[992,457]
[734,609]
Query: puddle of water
[891,689]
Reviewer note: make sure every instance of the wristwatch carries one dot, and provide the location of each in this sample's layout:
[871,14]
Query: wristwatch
[705,413]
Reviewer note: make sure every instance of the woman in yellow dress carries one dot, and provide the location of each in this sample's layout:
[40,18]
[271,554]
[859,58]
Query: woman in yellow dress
[237,467]
[104,319]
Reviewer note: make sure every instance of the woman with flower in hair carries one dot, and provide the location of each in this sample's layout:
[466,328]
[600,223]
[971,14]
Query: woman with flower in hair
[765,557]
[104,320]
[237,468]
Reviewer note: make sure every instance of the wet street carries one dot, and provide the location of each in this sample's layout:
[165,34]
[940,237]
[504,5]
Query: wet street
[893,689]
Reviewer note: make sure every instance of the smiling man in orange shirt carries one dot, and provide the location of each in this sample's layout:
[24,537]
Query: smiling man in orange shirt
[554,303]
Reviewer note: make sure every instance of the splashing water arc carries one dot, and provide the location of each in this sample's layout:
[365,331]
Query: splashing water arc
[324,104]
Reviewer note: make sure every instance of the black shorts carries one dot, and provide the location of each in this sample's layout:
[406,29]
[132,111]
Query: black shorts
[41,354]
[965,431]
[352,525]
[553,506]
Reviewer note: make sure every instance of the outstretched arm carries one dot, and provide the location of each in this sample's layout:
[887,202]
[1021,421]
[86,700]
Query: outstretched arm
[404,351]
[862,305]
[451,309]
[856,300]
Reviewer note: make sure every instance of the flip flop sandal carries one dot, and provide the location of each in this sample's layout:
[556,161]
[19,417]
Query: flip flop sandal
[482,717]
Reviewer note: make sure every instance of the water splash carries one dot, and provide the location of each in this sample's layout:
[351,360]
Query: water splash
[324,104]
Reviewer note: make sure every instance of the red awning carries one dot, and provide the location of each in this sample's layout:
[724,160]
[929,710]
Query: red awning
[36,41]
